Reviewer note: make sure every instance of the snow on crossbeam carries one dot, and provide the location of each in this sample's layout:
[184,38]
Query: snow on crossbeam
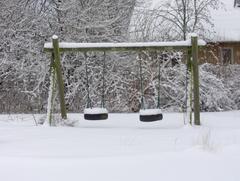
[65,46]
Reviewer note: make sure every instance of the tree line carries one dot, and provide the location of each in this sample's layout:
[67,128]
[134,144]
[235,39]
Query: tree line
[24,67]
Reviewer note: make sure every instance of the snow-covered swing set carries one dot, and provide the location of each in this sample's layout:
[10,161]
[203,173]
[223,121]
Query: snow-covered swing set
[54,47]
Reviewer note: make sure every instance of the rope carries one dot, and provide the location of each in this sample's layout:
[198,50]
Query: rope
[141,83]
[186,96]
[188,81]
[103,80]
[89,102]
[186,88]
[159,82]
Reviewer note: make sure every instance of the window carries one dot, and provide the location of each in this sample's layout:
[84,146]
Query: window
[236,3]
[227,55]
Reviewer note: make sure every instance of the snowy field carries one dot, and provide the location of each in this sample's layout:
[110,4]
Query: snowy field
[121,149]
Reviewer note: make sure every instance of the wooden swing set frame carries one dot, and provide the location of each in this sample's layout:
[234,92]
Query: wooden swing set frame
[192,46]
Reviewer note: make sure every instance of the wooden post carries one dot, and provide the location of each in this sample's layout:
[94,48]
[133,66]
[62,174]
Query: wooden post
[60,82]
[189,85]
[51,92]
[194,40]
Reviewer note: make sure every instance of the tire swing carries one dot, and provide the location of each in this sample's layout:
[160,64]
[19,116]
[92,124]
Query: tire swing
[150,115]
[97,113]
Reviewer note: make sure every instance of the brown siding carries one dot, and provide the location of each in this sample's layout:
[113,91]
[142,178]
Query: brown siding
[212,54]
[237,54]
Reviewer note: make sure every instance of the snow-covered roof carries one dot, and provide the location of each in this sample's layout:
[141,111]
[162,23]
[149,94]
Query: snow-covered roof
[227,22]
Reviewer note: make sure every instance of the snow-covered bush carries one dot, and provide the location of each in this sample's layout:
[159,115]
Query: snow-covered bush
[231,78]
[215,94]
[24,67]
[27,24]
[218,89]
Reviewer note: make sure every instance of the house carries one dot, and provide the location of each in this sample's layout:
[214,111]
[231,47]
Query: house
[236,3]
[224,36]
[224,47]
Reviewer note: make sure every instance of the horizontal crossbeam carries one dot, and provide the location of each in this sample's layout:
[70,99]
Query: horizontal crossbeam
[64,46]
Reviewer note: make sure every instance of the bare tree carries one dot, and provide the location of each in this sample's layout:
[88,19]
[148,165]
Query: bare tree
[174,19]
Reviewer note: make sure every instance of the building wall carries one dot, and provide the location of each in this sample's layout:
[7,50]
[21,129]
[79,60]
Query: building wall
[212,53]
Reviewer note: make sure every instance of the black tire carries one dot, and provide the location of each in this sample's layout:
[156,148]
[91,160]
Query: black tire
[96,117]
[151,118]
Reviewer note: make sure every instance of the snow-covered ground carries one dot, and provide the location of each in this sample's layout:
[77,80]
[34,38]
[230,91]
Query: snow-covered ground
[121,149]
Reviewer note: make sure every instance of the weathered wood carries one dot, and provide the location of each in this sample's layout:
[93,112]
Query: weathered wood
[51,92]
[113,49]
[189,86]
[192,64]
[194,40]
[119,49]
[147,46]
[60,82]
